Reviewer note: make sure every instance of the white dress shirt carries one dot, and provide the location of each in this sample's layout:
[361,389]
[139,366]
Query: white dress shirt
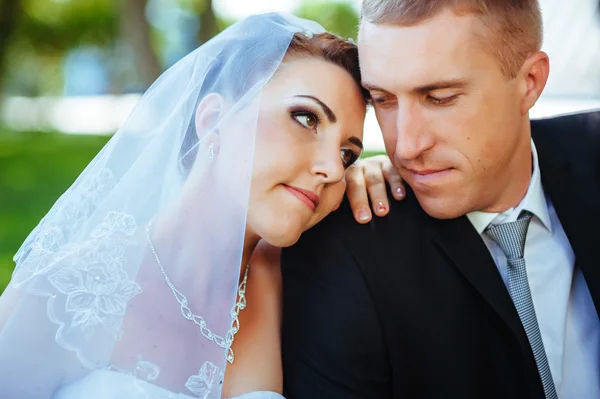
[568,321]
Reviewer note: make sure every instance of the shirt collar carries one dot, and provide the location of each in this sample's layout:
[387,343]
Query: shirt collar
[534,202]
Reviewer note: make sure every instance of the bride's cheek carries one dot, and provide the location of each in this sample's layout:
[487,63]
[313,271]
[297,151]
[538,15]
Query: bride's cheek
[332,197]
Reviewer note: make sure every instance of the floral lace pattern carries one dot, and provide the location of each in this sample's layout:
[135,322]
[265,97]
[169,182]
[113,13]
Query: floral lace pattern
[144,373]
[203,385]
[77,256]
[146,370]
[96,286]
[47,243]
[207,378]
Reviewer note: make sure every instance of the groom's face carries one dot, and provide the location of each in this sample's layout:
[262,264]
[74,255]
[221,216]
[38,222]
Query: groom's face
[452,122]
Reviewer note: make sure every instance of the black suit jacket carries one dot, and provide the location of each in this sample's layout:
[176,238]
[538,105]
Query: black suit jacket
[409,306]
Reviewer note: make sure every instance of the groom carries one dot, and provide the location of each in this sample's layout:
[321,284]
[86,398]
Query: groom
[485,281]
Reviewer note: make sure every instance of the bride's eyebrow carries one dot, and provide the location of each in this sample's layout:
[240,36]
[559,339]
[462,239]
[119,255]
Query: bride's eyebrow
[328,112]
[356,141]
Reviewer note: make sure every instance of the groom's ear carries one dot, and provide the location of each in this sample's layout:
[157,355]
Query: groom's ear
[533,77]
[210,109]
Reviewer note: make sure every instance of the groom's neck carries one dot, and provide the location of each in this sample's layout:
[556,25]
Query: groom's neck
[515,181]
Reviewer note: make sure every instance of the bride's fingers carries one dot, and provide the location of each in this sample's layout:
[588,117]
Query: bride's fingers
[376,187]
[356,192]
[394,179]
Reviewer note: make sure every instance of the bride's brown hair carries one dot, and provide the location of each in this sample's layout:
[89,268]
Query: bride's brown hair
[331,48]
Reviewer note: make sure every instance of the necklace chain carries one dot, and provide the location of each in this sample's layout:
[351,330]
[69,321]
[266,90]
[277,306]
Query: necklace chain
[222,342]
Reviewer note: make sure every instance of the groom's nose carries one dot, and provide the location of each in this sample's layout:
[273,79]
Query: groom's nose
[412,137]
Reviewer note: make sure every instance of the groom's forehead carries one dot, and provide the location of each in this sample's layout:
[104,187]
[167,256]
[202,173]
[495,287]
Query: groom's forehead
[444,29]
[417,55]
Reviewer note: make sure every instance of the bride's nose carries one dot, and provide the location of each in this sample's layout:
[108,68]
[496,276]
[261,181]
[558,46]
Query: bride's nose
[327,164]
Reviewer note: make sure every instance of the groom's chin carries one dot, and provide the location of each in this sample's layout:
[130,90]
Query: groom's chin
[442,207]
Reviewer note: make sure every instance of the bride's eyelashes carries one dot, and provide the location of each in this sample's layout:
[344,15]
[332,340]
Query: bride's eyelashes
[306,118]
[349,156]
[311,121]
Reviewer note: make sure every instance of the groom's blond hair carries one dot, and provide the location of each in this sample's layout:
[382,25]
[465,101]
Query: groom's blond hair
[515,25]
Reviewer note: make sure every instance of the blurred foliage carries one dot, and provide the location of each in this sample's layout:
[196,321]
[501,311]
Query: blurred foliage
[54,27]
[44,31]
[339,17]
[36,168]
[209,25]
[9,13]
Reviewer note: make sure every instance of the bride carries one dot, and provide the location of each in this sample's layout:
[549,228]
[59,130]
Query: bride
[153,276]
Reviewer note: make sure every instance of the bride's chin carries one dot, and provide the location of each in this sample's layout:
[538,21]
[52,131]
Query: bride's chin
[283,240]
[279,226]
[281,236]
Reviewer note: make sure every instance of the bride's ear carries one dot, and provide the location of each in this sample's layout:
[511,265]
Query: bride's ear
[208,112]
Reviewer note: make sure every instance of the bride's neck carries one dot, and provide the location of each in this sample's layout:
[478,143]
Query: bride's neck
[251,240]
[166,226]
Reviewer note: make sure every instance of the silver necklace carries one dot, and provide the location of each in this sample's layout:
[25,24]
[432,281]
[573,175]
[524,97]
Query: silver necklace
[222,342]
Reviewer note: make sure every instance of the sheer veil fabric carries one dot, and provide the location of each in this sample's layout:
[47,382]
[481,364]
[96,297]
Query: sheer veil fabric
[87,293]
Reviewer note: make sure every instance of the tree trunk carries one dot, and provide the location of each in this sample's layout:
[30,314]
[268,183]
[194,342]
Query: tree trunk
[208,23]
[136,32]
[9,15]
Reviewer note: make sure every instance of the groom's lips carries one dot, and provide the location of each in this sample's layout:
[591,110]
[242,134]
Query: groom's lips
[310,199]
[428,175]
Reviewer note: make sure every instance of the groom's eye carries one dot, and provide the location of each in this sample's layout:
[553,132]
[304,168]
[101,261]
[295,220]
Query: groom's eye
[381,100]
[441,100]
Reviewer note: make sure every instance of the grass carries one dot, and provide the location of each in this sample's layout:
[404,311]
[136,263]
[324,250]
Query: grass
[35,169]
[367,154]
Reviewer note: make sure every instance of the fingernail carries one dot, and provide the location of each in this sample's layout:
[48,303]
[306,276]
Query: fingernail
[363,215]
[380,207]
[399,192]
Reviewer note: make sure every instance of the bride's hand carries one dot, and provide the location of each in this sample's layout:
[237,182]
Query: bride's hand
[366,180]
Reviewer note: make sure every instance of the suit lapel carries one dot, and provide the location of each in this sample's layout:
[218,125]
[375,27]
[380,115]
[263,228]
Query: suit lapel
[460,242]
[576,199]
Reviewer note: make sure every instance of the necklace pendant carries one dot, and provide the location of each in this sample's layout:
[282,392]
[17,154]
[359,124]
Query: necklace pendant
[186,312]
[236,325]
[230,357]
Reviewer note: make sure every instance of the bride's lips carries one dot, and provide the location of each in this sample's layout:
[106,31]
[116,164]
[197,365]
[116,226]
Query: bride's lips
[309,198]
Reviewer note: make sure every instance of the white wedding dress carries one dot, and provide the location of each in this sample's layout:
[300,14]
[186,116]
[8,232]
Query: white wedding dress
[106,384]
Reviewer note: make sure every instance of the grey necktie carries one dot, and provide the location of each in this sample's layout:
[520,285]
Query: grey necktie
[510,237]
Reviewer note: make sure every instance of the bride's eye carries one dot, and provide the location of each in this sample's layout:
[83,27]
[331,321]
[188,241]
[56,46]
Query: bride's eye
[306,118]
[348,157]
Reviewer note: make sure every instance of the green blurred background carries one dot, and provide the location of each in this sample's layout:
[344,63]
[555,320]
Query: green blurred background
[35,168]
[46,47]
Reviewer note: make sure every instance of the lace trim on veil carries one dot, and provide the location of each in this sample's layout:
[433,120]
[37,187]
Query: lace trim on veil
[86,281]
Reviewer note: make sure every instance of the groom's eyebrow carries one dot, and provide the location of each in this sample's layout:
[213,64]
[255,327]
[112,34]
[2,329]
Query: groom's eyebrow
[370,87]
[328,112]
[429,87]
[440,85]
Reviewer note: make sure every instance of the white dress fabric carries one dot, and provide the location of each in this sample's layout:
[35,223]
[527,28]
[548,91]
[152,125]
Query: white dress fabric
[115,385]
